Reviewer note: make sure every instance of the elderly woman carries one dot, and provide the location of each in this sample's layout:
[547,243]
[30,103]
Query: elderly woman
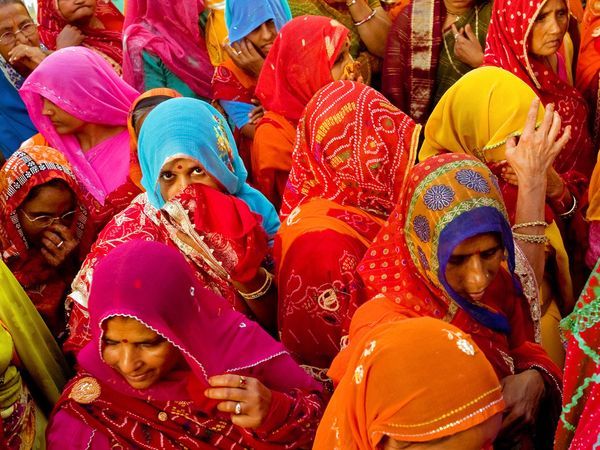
[447,252]
[170,365]
[419,383]
[95,24]
[197,201]
[85,118]
[44,231]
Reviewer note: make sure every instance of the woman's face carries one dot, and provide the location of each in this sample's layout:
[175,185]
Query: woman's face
[263,36]
[49,204]
[474,264]
[549,28]
[179,173]
[343,66]
[77,11]
[479,437]
[63,122]
[14,17]
[139,354]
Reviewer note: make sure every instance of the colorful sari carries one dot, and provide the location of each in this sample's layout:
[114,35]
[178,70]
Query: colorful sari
[233,242]
[213,340]
[451,198]
[45,285]
[419,64]
[106,41]
[593,216]
[579,426]
[169,31]
[33,370]
[443,385]
[350,166]
[297,66]
[95,95]
[506,49]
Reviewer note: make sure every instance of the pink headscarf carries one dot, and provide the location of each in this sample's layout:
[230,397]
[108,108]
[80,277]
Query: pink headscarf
[82,83]
[168,29]
[212,338]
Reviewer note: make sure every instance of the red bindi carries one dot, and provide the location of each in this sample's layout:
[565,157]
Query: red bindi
[179,167]
[124,341]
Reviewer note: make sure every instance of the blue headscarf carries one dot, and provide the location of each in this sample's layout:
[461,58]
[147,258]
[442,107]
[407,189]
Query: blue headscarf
[193,128]
[243,16]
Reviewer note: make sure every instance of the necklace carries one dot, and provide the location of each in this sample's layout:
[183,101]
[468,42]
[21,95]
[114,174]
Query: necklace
[446,43]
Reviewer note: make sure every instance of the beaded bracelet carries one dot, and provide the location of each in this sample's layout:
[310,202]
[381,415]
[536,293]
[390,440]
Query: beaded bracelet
[261,290]
[366,19]
[537,223]
[531,238]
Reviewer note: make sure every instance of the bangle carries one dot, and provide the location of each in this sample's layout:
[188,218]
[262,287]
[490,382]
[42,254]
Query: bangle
[537,223]
[366,19]
[570,212]
[261,290]
[531,238]
[349,3]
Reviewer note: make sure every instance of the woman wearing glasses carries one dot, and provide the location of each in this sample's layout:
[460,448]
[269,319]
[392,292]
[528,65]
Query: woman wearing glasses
[42,227]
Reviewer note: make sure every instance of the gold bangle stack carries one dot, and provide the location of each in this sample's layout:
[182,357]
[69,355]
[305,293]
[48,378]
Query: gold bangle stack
[261,290]
[537,223]
[531,238]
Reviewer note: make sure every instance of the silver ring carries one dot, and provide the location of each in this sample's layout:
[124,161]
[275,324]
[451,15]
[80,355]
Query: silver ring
[238,53]
[238,409]
[456,36]
[59,245]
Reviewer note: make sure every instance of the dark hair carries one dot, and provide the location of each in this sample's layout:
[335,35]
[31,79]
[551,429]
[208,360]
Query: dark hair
[145,106]
[55,183]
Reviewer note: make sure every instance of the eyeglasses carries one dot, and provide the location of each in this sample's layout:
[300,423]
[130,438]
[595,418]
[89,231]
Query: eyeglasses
[46,221]
[9,38]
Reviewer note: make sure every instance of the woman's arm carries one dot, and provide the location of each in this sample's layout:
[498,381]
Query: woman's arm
[374,31]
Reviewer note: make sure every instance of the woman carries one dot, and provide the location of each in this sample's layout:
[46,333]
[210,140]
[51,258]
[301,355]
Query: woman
[367,22]
[95,24]
[432,45]
[20,53]
[345,180]
[189,173]
[442,255]
[501,105]
[580,420]
[526,44]
[419,383]
[593,217]
[86,120]
[44,233]
[169,365]
[33,371]
[164,47]
[308,53]
[138,112]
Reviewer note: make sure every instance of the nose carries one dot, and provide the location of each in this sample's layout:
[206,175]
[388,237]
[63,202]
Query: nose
[128,359]
[20,37]
[266,32]
[554,26]
[47,109]
[475,278]
[183,181]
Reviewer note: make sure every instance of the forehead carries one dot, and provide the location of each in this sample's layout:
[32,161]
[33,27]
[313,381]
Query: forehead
[120,328]
[180,162]
[552,5]
[477,244]
[9,14]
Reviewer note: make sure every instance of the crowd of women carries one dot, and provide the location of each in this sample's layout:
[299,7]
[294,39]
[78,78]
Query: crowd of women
[329,224]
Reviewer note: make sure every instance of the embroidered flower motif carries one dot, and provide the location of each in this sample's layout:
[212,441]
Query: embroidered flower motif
[472,180]
[423,258]
[359,374]
[463,345]
[421,227]
[438,197]
[369,349]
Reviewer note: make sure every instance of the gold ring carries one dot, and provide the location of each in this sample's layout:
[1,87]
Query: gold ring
[243,382]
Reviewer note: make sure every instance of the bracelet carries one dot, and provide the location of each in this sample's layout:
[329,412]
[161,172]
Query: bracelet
[570,212]
[366,19]
[261,290]
[349,3]
[537,223]
[531,238]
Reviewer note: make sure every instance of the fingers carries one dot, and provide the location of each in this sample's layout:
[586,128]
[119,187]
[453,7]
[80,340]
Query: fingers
[469,33]
[530,123]
[226,380]
[234,394]
[562,141]
[455,32]
[547,121]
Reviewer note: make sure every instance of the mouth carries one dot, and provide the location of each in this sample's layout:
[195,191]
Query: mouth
[476,296]
[267,47]
[554,43]
[139,378]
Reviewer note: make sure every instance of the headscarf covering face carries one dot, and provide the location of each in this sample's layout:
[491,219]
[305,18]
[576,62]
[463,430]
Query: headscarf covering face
[184,127]
[299,64]
[212,338]
[354,148]
[169,30]
[93,93]
[416,380]
[242,17]
[480,124]
[449,198]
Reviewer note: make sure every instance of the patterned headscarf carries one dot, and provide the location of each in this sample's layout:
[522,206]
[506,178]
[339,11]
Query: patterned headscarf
[354,148]
[449,198]
[299,64]
[415,380]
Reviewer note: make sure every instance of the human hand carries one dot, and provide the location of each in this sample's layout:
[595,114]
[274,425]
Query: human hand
[245,56]
[70,36]
[522,394]
[467,47]
[533,156]
[26,55]
[256,114]
[253,397]
[58,242]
